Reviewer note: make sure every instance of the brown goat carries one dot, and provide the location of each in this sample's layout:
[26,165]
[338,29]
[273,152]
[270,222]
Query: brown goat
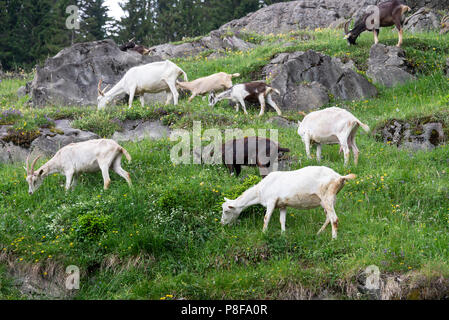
[251,151]
[390,13]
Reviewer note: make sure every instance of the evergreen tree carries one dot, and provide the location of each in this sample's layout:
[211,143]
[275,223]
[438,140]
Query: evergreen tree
[94,19]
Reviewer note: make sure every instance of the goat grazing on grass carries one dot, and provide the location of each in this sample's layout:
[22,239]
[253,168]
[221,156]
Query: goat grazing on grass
[306,188]
[88,156]
[390,13]
[250,90]
[331,126]
[150,78]
[251,151]
[216,82]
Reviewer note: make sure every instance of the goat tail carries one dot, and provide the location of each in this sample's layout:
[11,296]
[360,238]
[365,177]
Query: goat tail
[184,75]
[235,75]
[126,154]
[365,127]
[349,177]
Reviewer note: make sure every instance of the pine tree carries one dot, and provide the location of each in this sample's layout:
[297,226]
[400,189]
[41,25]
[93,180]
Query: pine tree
[94,20]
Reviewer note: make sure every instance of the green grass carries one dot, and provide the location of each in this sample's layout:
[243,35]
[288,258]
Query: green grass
[162,238]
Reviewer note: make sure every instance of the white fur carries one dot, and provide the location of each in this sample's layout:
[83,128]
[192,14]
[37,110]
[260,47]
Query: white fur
[331,126]
[150,78]
[88,156]
[306,188]
[216,82]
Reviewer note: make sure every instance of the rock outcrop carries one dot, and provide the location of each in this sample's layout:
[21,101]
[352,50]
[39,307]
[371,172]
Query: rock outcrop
[388,66]
[138,130]
[413,136]
[284,17]
[71,77]
[423,20]
[45,143]
[305,80]
[216,41]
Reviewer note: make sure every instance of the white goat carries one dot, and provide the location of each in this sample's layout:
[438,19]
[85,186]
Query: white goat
[215,82]
[150,78]
[331,126]
[306,188]
[250,91]
[88,156]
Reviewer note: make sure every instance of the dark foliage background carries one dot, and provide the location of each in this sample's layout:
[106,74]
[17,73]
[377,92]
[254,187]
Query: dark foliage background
[30,31]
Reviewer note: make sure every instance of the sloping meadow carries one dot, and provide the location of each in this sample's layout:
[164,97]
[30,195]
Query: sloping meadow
[162,239]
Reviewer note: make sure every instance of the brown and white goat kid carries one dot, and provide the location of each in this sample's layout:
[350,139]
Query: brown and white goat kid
[251,90]
[88,156]
[306,188]
[331,126]
[390,13]
[213,83]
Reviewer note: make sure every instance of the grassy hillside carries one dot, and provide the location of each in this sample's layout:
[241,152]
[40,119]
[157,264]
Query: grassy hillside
[162,238]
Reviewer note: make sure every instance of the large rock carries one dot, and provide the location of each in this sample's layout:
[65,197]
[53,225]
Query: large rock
[138,130]
[46,144]
[433,4]
[51,140]
[305,79]
[284,17]
[216,41]
[388,66]
[423,20]
[413,137]
[71,77]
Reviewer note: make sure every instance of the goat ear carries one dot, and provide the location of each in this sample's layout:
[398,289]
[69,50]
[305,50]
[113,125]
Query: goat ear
[299,123]
[226,199]
[40,172]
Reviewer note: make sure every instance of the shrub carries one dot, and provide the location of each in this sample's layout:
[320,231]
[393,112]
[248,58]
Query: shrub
[92,225]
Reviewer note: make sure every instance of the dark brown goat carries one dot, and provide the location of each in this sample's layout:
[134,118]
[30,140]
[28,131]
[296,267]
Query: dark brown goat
[251,151]
[131,45]
[390,13]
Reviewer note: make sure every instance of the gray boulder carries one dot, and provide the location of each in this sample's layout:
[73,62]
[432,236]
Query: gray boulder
[413,137]
[284,17]
[305,80]
[282,122]
[71,77]
[138,130]
[432,4]
[423,20]
[388,66]
[46,144]
[51,140]
[214,41]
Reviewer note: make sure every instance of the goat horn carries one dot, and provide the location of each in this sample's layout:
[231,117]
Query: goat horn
[445,19]
[34,163]
[100,93]
[346,26]
[28,164]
